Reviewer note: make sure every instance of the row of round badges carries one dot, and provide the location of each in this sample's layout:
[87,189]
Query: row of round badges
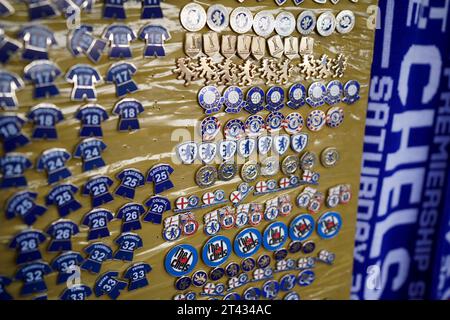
[182,259]
[241,20]
[256,100]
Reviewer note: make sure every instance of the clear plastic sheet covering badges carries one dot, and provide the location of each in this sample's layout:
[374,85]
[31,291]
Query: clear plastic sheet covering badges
[181,150]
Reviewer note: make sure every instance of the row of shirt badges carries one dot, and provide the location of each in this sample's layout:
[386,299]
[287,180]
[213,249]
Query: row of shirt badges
[37,39]
[112,9]
[241,20]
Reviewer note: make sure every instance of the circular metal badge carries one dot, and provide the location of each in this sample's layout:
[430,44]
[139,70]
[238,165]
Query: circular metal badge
[193,17]
[227,171]
[250,171]
[275,236]
[329,157]
[292,296]
[334,92]
[329,225]
[216,274]
[345,21]
[306,22]
[297,96]
[274,121]
[210,127]
[183,283]
[308,161]
[232,296]
[289,165]
[217,17]
[255,100]
[280,254]
[288,282]
[302,227]
[294,123]
[316,94]
[264,23]
[199,278]
[233,99]
[270,166]
[254,125]
[181,260]
[275,99]
[247,242]
[306,278]
[241,20]
[216,251]
[295,247]
[252,293]
[335,117]
[270,289]
[326,24]
[285,24]
[232,270]
[316,120]
[206,176]
[248,264]
[234,129]
[210,99]
[263,261]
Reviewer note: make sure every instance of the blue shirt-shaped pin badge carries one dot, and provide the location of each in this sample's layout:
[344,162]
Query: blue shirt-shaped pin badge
[121,74]
[130,180]
[8,46]
[64,265]
[43,73]
[160,176]
[157,206]
[137,275]
[128,111]
[297,96]
[154,36]
[130,215]
[91,117]
[37,40]
[109,285]
[81,40]
[128,243]
[63,197]
[255,100]
[32,275]
[151,9]
[98,188]
[53,161]
[97,220]
[4,282]
[61,232]
[45,117]
[90,151]
[119,37]
[275,99]
[12,167]
[114,9]
[9,84]
[97,254]
[23,204]
[38,9]
[27,245]
[78,292]
[84,77]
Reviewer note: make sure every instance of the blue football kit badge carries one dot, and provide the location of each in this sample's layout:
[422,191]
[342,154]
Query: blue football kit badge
[37,41]
[130,179]
[53,161]
[128,111]
[81,40]
[97,220]
[97,254]
[27,245]
[181,260]
[128,243]
[11,132]
[38,9]
[154,36]
[137,275]
[114,9]
[65,264]
[78,292]
[157,206]
[32,276]
[91,116]
[45,117]
[8,46]
[61,232]
[9,84]
[4,282]
[130,215]
[98,188]
[107,284]
[84,78]
[23,204]
[90,151]
[119,36]
[151,9]
[160,176]
[42,73]
[121,74]
[13,167]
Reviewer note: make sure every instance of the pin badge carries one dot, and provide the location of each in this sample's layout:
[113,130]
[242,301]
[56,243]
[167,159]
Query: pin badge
[206,176]
[290,165]
[229,45]
[264,144]
[345,21]
[326,24]
[263,261]
[254,125]
[275,236]
[217,17]
[306,278]
[250,171]
[291,47]
[308,161]
[295,247]
[81,40]
[329,157]
[306,22]
[252,293]
[181,260]
[276,46]
[207,152]
[258,47]
[292,295]
[210,99]
[334,92]
[193,17]
[234,129]
[264,23]
[232,269]
[246,147]
[121,74]
[216,251]
[13,167]
[301,227]
[294,123]
[160,176]
[285,23]
[351,92]
[280,254]
[316,94]
[288,282]
[335,117]
[241,20]
[329,225]
[270,289]
[255,100]
[247,242]
[233,99]
[43,73]
[210,128]
[10,83]
[211,46]
[274,121]
[299,142]
[316,120]
[275,99]
[244,47]
[216,274]
[248,264]
[227,149]
[232,296]
[199,278]
[297,96]
[326,257]
[281,144]
[227,171]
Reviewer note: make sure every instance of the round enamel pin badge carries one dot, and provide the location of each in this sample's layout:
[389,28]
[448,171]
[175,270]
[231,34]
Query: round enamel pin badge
[217,17]
[181,260]
[302,227]
[241,20]
[335,117]
[345,21]
[329,225]
[326,24]
[264,23]
[306,22]
[216,251]
[316,120]
[275,236]
[247,242]
[210,99]
[285,24]
[193,17]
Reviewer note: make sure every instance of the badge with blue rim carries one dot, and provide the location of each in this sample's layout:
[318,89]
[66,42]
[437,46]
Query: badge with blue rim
[280,2]
[227,149]
[297,96]
[233,99]
[207,152]
[210,128]
[234,129]
[232,269]
[351,92]
[301,227]
[316,120]
[281,144]
[246,147]
[232,296]
[181,260]
[275,236]
[270,289]
[210,99]
[334,92]
[288,282]
[316,94]
[255,100]
[292,296]
[306,278]
[199,278]
[247,242]
[335,117]
[252,293]
[329,225]
[172,232]
[274,121]
[254,125]
[187,152]
[297,2]
[294,123]
[216,251]
[275,99]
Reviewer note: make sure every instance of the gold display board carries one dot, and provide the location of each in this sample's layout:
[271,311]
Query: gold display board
[171,110]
